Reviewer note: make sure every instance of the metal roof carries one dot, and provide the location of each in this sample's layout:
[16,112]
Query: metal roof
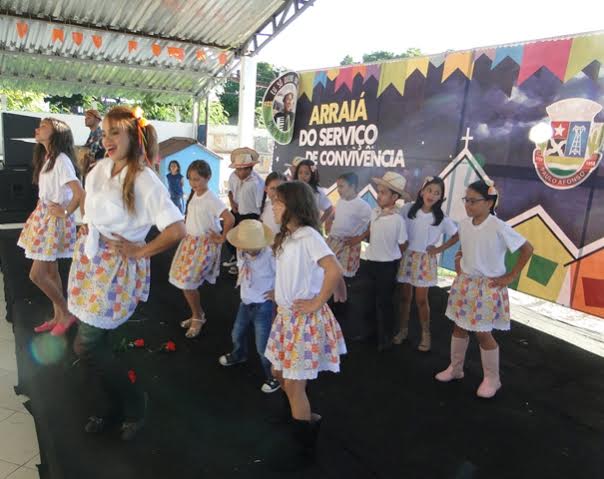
[173,49]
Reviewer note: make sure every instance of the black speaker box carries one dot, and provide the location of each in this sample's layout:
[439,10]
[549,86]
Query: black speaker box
[18,153]
[17,195]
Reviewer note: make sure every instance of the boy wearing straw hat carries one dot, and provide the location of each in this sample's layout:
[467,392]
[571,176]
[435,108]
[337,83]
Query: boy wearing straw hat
[387,241]
[256,279]
[246,191]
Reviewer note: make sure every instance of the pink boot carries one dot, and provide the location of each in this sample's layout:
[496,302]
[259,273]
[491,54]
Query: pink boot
[459,346]
[490,368]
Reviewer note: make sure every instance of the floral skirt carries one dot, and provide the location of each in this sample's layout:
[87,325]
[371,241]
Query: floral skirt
[418,269]
[104,291]
[46,237]
[302,345]
[475,305]
[348,256]
[197,260]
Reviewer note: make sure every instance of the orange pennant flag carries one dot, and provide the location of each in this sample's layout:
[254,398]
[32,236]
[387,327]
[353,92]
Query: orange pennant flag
[177,53]
[132,46]
[156,49]
[222,58]
[201,55]
[77,37]
[22,29]
[97,40]
[58,35]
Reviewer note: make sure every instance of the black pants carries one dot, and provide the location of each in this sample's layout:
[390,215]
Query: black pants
[110,389]
[382,284]
[238,219]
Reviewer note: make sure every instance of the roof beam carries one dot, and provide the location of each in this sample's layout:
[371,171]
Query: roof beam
[106,28]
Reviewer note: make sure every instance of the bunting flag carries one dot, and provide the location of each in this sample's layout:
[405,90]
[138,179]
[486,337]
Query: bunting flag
[77,38]
[320,78]
[97,40]
[201,55]
[359,69]
[132,46]
[222,58]
[515,53]
[307,84]
[177,53]
[437,60]
[156,49]
[22,28]
[332,73]
[583,52]
[417,63]
[373,71]
[345,78]
[551,54]
[393,73]
[487,52]
[58,35]
[462,61]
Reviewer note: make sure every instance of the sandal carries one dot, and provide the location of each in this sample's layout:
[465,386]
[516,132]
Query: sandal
[186,324]
[195,327]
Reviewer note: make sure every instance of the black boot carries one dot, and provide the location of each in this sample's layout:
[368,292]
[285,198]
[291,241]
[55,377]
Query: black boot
[296,450]
[305,435]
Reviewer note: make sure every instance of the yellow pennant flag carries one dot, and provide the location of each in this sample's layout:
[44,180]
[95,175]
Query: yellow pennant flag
[306,86]
[333,73]
[395,74]
[462,61]
[583,51]
[417,63]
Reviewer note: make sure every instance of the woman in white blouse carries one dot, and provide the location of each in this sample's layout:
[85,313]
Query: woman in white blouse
[110,271]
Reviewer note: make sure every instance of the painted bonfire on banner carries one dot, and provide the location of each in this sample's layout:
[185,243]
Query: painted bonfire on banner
[574,151]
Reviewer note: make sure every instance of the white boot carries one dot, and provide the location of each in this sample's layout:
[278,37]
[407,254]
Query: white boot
[490,368]
[459,346]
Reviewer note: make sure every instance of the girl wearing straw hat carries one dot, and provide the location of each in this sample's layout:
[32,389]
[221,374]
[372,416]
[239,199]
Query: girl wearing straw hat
[198,255]
[256,262]
[387,240]
[305,337]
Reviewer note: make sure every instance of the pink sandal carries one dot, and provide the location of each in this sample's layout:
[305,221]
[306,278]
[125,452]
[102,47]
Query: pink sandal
[61,328]
[46,326]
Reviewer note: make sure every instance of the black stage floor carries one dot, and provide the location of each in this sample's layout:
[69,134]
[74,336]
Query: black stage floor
[384,415]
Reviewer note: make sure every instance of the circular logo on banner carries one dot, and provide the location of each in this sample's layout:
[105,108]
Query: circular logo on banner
[574,149]
[279,107]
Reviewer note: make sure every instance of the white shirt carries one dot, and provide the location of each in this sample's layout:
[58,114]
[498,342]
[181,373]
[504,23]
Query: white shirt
[268,218]
[322,200]
[234,183]
[261,276]
[249,194]
[203,214]
[484,246]
[421,230]
[299,275]
[52,185]
[387,233]
[106,213]
[352,218]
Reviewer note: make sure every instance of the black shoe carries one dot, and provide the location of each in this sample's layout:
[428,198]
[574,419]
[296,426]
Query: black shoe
[95,425]
[131,428]
[230,360]
[270,386]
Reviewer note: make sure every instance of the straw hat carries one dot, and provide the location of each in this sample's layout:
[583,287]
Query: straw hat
[94,113]
[295,162]
[394,181]
[251,234]
[243,158]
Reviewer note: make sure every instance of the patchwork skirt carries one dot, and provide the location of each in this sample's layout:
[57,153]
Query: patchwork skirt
[418,269]
[104,291]
[196,261]
[301,345]
[348,256]
[475,305]
[46,237]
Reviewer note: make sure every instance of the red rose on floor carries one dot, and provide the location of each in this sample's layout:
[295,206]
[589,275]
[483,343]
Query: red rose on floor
[132,376]
[170,346]
[139,343]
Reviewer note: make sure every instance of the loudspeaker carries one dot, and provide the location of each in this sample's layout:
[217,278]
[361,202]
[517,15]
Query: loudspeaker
[18,153]
[18,196]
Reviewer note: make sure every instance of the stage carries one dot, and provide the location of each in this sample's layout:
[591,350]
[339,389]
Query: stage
[384,415]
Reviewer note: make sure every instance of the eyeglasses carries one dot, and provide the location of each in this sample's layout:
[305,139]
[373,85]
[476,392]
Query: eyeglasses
[472,201]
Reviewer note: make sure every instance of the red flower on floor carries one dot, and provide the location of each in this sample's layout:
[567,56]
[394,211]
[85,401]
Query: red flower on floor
[170,347]
[139,343]
[132,376]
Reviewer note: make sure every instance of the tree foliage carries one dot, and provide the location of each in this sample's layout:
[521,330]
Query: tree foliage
[382,55]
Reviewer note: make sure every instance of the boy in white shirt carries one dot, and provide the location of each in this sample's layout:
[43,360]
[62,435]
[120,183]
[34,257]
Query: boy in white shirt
[387,241]
[257,270]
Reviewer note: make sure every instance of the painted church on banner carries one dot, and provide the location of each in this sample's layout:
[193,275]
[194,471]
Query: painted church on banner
[464,115]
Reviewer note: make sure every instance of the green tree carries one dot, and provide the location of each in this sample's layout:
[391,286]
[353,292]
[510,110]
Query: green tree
[347,60]
[382,55]
[17,100]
